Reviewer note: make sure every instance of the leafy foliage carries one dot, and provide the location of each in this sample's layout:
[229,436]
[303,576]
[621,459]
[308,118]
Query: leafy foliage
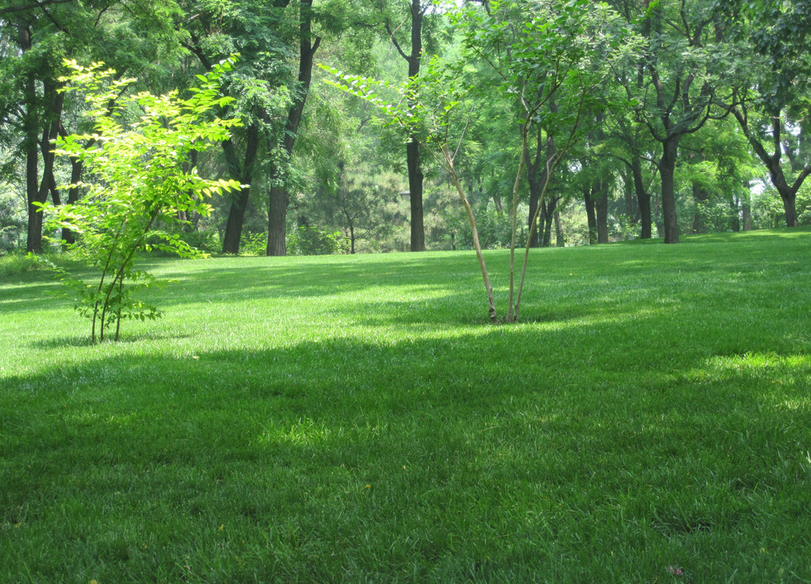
[138,176]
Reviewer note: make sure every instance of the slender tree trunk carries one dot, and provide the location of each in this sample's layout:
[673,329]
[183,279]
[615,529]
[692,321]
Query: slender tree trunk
[536,176]
[30,123]
[700,195]
[642,198]
[667,169]
[236,217]
[601,208]
[239,199]
[551,209]
[631,208]
[591,217]
[601,187]
[746,207]
[415,183]
[53,103]
[76,167]
[415,176]
[491,301]
[787,193]
[790,209]
[734,207]
[535,181]
[560,240]
[279,198]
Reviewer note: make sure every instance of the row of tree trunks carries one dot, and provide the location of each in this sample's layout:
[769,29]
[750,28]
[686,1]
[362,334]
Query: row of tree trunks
[37,190]
[537,170]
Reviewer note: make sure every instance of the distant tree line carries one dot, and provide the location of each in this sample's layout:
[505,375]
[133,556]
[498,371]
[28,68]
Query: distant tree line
[698,123]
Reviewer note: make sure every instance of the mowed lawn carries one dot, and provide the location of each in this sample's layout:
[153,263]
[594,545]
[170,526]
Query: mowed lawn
[355,419]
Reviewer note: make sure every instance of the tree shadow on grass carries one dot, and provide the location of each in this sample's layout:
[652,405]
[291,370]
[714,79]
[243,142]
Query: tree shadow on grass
[85,340]
[503,443]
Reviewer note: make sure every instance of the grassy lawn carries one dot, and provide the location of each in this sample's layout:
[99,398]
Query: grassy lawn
[354,419]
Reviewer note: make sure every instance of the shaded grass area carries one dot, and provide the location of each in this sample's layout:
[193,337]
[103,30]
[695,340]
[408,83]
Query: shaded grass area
[354,419]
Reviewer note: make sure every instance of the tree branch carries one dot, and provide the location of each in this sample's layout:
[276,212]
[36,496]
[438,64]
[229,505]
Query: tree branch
[394,41]
[37,4]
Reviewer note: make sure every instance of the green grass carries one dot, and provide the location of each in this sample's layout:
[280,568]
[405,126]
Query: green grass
[354,419]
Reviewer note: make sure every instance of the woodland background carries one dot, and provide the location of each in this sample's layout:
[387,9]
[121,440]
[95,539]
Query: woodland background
[698,122]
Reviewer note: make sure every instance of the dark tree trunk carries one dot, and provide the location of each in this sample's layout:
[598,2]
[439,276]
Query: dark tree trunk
[735,210]
[535,181]
[53,103]
[667,169]
[788,193]
[560,240]
[415,176]
[537,176]
[32,192]
[549,212]
[30,128]
[279,198]
[413,163]
[76,167]
[645,216]
[236,216]
[746,207]
[700,195]
[631,206]
[790,209]
[415,182]
[642,198]
[590,215]
[534,195]
[601,208]
[239,199]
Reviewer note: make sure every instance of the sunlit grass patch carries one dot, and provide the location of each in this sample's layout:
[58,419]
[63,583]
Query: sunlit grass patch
[348,419]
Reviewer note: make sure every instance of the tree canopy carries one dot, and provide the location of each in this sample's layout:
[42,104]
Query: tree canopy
[642,119]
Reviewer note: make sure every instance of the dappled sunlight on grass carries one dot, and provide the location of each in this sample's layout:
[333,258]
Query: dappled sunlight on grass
[310,419]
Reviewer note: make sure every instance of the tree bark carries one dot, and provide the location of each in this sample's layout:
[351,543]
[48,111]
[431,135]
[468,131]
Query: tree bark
[536,177]
[415,192]
[734,205]
[76,168]
[667,169]
[642,199]
[491,301]
[413,163]
[415,175]
[746,207]
[279,198]
[560,240]
[551,209]
[601,207]
[53,102]
[244,174]
[631,206]
[788,193]
[30,123]
[700,195]
[591,217]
